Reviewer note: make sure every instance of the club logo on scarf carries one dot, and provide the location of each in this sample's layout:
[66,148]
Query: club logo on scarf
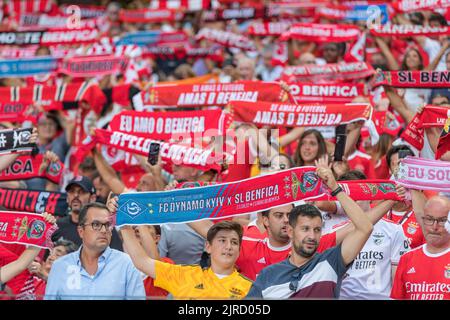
[21,138]
[54,169]
[378,238]
[386,187]
[36,229]
[295,185]
[447,271]
[133,209]
[412,227]
[309,182]
[23,228]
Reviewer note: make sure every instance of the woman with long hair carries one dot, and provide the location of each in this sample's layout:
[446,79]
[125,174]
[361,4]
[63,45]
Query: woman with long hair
[310,148]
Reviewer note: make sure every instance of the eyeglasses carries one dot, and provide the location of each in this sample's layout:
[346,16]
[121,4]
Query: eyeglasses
[98,226]
[430,221]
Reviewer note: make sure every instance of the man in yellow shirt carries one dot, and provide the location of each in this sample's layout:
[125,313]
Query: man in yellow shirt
[219,281]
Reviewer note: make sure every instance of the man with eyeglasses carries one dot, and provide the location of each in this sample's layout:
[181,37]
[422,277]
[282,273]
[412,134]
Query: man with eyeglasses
[424,273]
[80,191]
[95,271]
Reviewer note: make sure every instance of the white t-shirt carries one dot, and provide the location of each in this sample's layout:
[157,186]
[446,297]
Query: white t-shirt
[432,48]
[330,221]
[369,277]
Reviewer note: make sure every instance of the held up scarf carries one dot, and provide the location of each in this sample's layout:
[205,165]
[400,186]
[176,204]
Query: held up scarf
[418,5]
[50,37]
[147,38]
[276,28]
[201,95]
[424,174]
[16,140]
[325,92]
[413,79]
[327,72]
[91,66]
[226,39]
[403,30]
[27,167]
[34,201]
[444,140]
[26,228]
[365,190]
[322,32]
[353,12]
[169,125]
[150,15]
[27,67]
[241,13]
[286,115]
[17,112]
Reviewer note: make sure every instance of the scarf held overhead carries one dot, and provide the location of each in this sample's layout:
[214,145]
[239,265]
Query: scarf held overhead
[412,79]
[27,67]
[92,66]
[321,32]
[289,115]
[15,140]
[25,228]
[325,92]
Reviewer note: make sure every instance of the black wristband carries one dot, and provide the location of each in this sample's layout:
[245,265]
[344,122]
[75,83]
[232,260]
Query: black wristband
[336,191]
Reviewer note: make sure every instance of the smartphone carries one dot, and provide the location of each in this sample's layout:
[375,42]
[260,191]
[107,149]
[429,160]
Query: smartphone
[341,138]
[404,153]
[153,153]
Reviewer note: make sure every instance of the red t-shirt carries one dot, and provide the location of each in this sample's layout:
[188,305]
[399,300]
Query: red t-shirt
[410,226]
[252,231]
[362,162]
[382,169]
[257,254]
[422,275]
[150,289]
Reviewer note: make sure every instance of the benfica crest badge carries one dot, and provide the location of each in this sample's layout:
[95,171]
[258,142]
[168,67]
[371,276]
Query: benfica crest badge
[309,182]
[36,229]
[412,227]
[447,271]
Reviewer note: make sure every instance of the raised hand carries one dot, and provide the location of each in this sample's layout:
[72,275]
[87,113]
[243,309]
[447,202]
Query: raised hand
[325,173]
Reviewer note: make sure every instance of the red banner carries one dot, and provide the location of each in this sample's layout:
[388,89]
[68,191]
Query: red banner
[170,125]
[202,159]
[226,39]
[275,28]
[91,66]
[413,79]
[201,95]
[26,228]
[418,5]
[322,32]
[407,30]
[290,115]
[327,72]
[247,13]
[325,92]
[150,15]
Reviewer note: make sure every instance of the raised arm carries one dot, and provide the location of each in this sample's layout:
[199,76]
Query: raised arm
[355,240]
[107,173]
[140,259]
[398,104]
[386,51]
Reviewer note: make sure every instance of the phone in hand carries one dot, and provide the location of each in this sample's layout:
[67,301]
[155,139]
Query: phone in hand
[341,138]
[153,153]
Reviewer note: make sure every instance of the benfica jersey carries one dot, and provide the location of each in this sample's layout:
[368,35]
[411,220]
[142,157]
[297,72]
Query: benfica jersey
[422,275]
[362,162]
[257,254]
[410,226]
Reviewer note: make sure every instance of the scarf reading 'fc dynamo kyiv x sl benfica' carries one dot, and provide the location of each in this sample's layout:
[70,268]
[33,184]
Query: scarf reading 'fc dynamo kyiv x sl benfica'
[241,197]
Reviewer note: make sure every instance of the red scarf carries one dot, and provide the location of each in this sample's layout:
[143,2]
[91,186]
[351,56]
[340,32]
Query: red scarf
[170,125]
[26,228]
[328,72]
[226,39]
[325,92]
[322,32]
[444,140]
[366,190]
[27,167]
[418,5]
[92,66]
[276,28]
[285,115]
[413,79]
[406,30]
[201,95]
[150,15]
[170,152]
[50,37]
[169,52]
[242,13]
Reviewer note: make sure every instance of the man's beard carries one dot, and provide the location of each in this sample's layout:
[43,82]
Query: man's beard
[302,252]
[101,200]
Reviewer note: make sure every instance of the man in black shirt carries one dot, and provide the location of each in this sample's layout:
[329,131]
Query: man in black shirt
[80,191]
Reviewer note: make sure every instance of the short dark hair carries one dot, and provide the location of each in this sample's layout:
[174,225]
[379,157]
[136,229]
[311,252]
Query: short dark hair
[224,225]
[439,18]
[352,175]
[265,213]
[83,212]
[396,149]
[67,244]
[304,210]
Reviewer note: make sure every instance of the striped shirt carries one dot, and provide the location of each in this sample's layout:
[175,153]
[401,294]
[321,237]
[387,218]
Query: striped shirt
[318,278]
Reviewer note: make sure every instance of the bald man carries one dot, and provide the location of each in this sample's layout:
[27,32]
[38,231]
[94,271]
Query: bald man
[246,69]
[424,273]
[306,58]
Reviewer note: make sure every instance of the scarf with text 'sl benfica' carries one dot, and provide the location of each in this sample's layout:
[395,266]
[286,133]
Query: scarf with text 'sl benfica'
[150,15]
[240,197]
[49,37]
[322,32]
[201,95]
[444,140]
[290,115]
[203,159]
[15,140]
[404,30]
[418,5]
[92,66]
[66,94]
[412,79]
[275,28]
[242,13]
[27,167]
[34,201]
[328,72]
[424,174]
[431,117]
[226,39]
[26,228]
[325,92]
[169,126]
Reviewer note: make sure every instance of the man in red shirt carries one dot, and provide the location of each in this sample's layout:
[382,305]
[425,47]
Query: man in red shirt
[424,273]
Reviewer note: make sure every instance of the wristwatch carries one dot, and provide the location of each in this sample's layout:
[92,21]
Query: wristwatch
[336,191]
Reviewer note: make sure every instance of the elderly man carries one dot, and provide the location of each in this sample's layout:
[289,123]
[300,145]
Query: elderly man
[95,271]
